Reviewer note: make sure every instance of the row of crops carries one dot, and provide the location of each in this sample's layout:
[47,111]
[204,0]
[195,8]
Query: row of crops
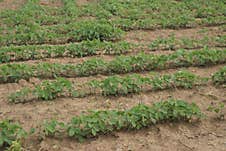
[36,32]
[121,64]
[115,86]
[103,122]
[96,47]
[129,13]
[36,24]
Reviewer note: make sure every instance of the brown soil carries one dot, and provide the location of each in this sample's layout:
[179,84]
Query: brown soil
[210,134]
[207,135]
[146,36]
[77,60]
[11,4]
[84,2]
[51,3]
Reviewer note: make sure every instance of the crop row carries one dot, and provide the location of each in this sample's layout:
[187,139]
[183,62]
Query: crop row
[85,48]
[94,47]
[172,43]
[179,22]
[134,83]
[127,15]
[111,86]
[179,14]
[62,33]
[73,32]
[34,13]
[140,116]
[27,23]
[70,8]
[121,64]
[102,122]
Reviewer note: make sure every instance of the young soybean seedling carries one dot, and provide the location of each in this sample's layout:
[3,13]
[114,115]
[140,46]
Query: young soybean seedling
[218,109]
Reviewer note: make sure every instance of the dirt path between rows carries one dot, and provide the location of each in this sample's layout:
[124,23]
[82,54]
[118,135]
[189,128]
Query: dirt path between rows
[11,4]
[145,36]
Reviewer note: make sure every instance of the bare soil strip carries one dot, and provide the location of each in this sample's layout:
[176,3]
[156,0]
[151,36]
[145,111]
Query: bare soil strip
[11,4]
[146,36]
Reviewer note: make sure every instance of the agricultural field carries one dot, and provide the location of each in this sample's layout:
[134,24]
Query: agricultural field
[112,75]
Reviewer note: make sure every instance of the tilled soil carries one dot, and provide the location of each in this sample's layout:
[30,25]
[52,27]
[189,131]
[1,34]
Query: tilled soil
[11,4]
[209,134]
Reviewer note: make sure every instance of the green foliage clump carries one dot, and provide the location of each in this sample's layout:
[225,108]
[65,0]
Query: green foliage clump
[82,49]
[219,78]
[103,122]
[37,24]
[113,85]
[121,64]
[63,33]
[16,146]
[218,109]
[116,85]
[10,132]
[90,30]
[70,8]
[47,90]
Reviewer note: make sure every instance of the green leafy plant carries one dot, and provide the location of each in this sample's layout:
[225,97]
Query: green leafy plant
[47,90]
[10,133]
[37,24]
[63,33]
[111,86]
[90,30]
[116,85]
[21,96]
[50,90]
[121,64]
[70,8]
[16,146]
[218,109]
[102,122]
[161,43]
[173,43]
[219,78]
